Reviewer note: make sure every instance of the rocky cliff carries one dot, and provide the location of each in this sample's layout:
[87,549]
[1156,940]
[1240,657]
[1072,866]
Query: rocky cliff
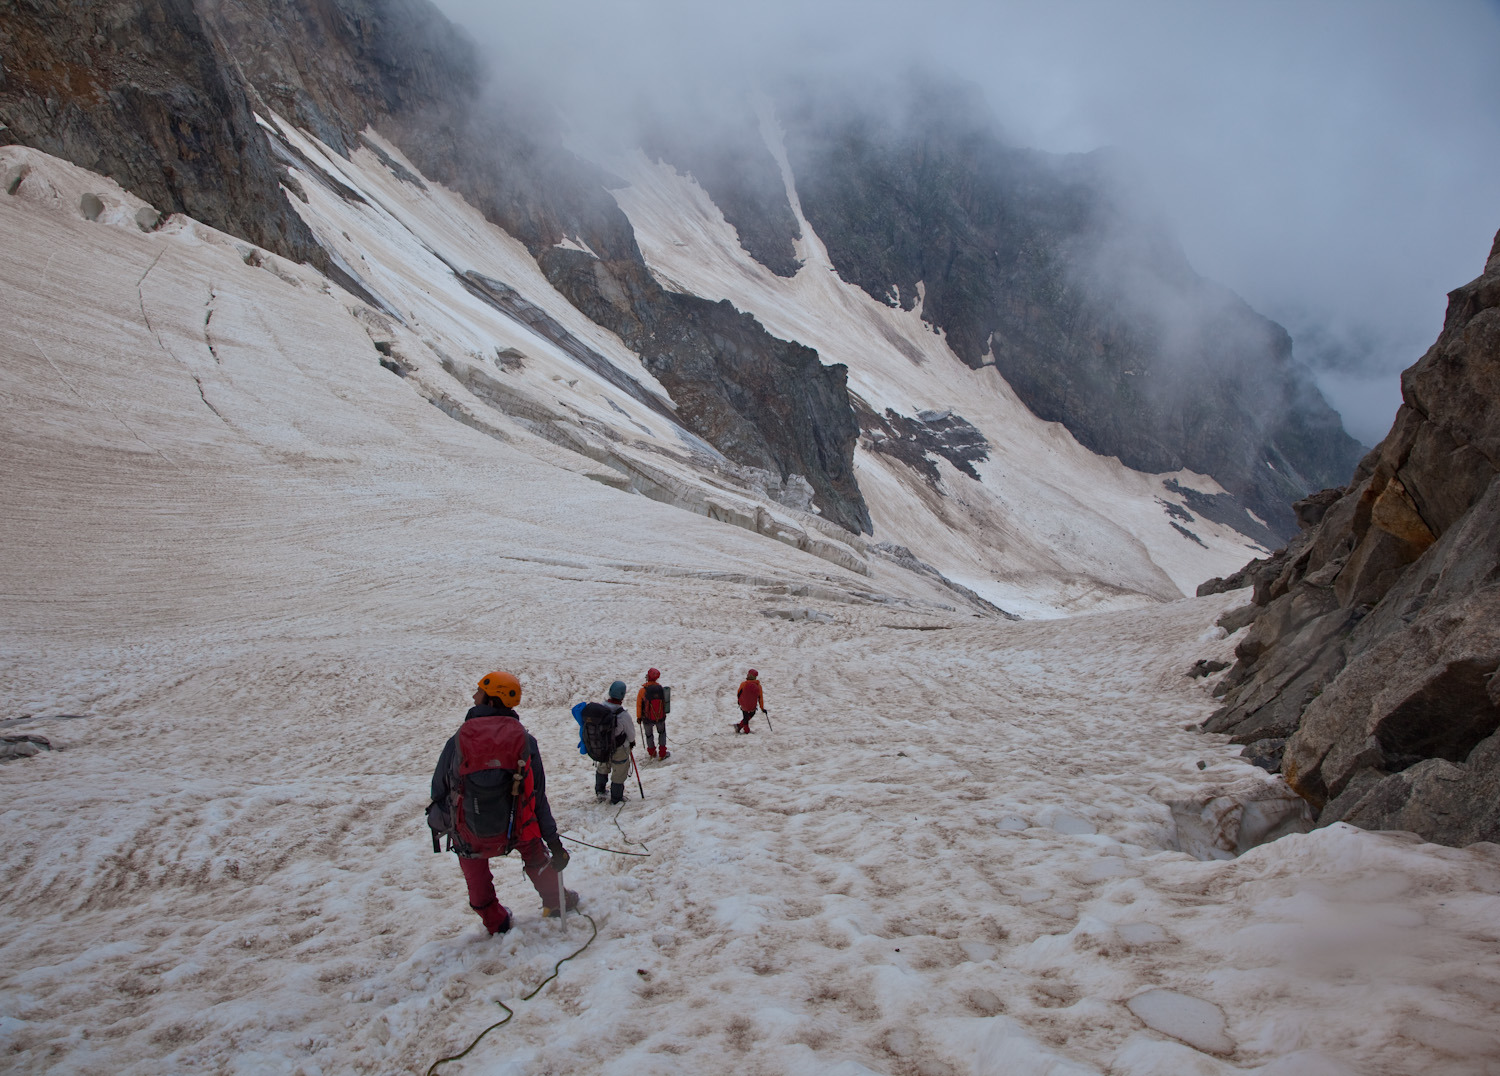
[146,94]
[1369,673]
[1039,265]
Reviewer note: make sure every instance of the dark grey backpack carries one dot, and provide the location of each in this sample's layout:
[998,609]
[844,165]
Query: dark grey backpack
[599,731]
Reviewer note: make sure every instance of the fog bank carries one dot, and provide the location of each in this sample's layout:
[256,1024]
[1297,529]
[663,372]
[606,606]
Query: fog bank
[1337,164]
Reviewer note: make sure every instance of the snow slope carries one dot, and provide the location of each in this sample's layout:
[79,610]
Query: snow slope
[1050,526]
[250,577]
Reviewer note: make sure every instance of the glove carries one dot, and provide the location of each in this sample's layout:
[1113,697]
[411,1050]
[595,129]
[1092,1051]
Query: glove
[560,857]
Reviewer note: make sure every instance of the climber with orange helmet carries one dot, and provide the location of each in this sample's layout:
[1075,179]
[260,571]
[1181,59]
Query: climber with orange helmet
[489,796]
[652,704]
[749,697]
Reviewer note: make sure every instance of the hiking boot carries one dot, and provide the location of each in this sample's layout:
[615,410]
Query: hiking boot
[600,780]
[651,751]
[495,917]
[550,911]
[616,793]
[664,753]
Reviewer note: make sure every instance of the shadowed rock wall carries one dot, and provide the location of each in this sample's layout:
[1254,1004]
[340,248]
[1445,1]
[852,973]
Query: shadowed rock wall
[144,93]
[1375,651]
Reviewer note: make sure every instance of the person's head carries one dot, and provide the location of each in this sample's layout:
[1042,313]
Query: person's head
[652,675]
[498,689]
[617,691]
[751,675]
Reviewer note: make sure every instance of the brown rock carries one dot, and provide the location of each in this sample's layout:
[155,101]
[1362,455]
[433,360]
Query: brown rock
[1378,638]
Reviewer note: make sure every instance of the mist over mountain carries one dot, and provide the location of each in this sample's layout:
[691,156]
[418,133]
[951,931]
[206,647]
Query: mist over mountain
[1041,265]
[1326,162]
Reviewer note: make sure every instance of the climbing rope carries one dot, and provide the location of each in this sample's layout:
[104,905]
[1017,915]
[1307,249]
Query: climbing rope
[556,968]
[509,1012]
[601,848]
[641,844]
[688,743]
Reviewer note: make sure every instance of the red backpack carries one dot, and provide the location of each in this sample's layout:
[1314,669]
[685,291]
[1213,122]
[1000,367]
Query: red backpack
[654,702]
[492,799]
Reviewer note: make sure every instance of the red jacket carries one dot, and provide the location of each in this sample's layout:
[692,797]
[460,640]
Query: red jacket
[750,696]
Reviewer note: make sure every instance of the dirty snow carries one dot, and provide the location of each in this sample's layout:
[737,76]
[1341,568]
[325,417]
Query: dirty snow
[249,579]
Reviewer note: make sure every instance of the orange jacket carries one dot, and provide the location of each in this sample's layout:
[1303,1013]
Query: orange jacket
[751,696]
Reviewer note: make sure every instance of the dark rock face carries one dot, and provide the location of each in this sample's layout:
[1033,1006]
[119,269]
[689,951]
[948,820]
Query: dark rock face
[1093,315]
[145,94]
[1378,640]
[763,402]
[511,303]
[915,440]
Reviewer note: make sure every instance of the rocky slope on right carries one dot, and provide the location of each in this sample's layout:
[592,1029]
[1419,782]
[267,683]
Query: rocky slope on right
[1368,674]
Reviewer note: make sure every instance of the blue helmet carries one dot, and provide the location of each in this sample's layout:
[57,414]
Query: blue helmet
[617,690]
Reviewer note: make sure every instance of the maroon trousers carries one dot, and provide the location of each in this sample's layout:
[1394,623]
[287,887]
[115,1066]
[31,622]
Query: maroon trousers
[481,883]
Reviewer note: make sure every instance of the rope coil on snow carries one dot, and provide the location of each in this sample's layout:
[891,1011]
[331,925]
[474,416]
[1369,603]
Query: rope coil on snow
[509,1012]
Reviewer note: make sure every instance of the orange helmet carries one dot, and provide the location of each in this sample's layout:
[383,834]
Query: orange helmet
[503,686]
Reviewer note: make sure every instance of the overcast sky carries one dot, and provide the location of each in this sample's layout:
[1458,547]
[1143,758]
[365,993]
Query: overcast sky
[1336,163]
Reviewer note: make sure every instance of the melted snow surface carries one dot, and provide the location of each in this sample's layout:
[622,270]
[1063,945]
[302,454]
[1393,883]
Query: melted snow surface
[249,579]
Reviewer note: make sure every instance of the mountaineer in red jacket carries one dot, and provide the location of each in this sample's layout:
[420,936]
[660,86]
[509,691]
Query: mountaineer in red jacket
[651,703]
[749,697]
[489,795]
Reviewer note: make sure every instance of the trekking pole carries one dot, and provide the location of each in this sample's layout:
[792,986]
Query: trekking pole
[767,715]
[637,776]
[562,901]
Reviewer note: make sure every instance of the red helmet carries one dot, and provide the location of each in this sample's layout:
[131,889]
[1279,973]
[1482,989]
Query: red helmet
[751,675]
[653,674]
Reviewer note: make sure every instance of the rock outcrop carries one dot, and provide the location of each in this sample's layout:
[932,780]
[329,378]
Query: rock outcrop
[1039,265]
[146,94]
[1375,651]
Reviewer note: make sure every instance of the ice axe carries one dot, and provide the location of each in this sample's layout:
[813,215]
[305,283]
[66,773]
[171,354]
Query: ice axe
[767,715]
[637,774]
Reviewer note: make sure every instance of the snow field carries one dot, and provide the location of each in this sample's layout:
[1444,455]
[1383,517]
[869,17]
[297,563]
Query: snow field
[264,575]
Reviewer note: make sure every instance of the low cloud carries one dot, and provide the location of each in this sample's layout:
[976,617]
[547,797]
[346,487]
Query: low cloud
[1337,164]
